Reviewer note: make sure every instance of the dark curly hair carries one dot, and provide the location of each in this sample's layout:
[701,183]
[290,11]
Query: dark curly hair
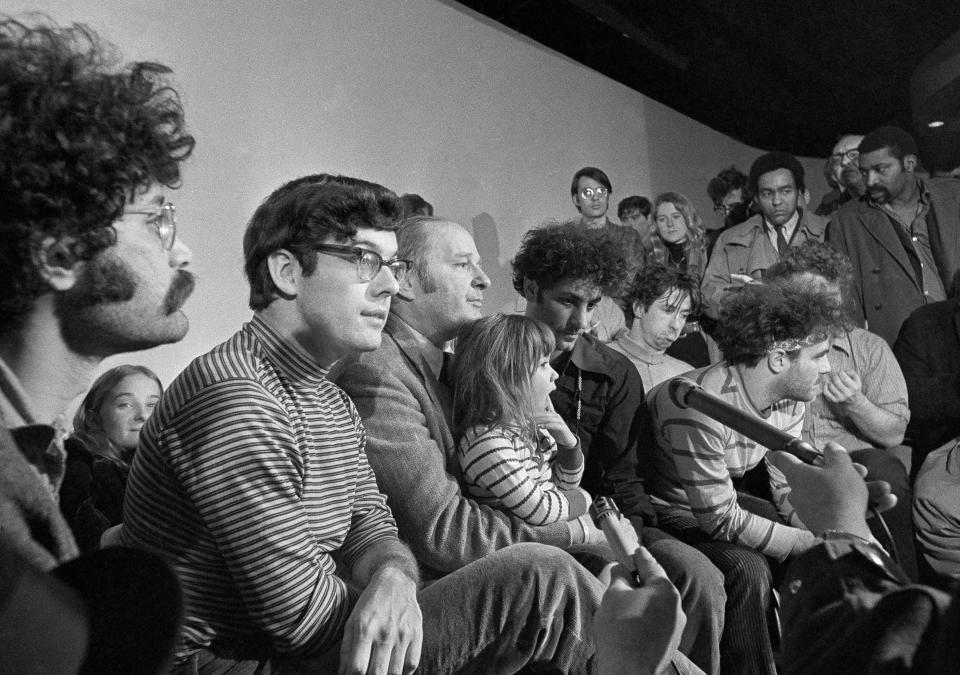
[80,134]
[757,316]
[306,212]
[561,252]
[725,182]
[815,257]
[654,280]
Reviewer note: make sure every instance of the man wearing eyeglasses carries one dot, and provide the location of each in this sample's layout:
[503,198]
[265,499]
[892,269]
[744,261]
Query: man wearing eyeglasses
[903,235]
[91,262]
[843,175]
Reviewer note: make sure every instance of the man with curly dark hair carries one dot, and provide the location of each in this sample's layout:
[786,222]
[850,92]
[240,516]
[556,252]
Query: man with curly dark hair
[90,264]
[862,403]
[775,340]
[562,271]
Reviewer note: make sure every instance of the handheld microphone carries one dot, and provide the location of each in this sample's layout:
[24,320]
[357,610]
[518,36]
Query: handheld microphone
[606,515]
[685,393]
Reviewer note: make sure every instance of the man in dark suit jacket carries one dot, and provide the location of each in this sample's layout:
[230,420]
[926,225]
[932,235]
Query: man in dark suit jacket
[903,236]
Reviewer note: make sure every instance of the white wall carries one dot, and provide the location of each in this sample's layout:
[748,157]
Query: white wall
[420,95]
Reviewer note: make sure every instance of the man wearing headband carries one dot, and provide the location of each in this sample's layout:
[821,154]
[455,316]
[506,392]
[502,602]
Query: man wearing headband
[775,340]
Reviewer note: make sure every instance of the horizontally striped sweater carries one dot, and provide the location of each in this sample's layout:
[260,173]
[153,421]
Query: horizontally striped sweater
[250,477]
[696,459]
[503,470]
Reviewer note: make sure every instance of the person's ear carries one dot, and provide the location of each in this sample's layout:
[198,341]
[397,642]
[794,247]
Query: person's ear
[909,163]
[777,361]
[530,289]
[409,287]
[638,309]
[57,263]
[285,271]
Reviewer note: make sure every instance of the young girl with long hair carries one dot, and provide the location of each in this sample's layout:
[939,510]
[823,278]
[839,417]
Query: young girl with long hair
[517,454]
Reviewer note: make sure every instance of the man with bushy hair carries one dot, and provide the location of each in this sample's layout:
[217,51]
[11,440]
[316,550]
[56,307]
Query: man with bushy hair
[562,271]
[90,264]
[775,341]
[862,403]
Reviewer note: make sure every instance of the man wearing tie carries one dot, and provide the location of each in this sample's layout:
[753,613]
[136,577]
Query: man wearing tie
[743,252]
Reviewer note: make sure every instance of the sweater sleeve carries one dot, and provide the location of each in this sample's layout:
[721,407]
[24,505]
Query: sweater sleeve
[697,445]
[504,467]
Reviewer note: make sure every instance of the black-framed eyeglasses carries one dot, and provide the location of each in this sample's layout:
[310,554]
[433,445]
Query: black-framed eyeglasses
[852,154]
[725,209]
[369,263]
[164,218]
[598,192]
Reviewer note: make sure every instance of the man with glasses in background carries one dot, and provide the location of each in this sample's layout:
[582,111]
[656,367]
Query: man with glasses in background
[843,175]
[590,191]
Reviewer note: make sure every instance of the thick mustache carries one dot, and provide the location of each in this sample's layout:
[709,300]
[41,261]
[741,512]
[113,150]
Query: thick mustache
[180,289]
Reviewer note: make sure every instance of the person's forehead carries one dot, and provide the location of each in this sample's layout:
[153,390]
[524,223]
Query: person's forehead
[735,196]
[152,196]
[587,182]
[816,350]
[383,242]
[674,297]
[847,143]
[668,208]
[449,240]
[581,289]
[775,179]
[880,156]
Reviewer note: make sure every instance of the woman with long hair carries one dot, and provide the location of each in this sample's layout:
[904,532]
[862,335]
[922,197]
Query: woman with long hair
[678,240]
[106,432]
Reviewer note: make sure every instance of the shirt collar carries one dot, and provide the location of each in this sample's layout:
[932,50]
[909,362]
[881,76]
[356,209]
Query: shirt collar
[286,355]
[432,354]
[788,227]
[584,356]
[841,342]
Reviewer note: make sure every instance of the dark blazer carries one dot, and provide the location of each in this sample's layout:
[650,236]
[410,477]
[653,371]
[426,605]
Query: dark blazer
[886,284]
[928,350]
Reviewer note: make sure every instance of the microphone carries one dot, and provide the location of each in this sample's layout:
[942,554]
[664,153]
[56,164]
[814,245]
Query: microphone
[607,517]
[685,393]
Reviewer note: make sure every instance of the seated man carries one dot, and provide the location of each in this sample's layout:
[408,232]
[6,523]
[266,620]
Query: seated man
[562,270]
[402,393]
[862,405]
[251,479]
[661,300]
[775,341]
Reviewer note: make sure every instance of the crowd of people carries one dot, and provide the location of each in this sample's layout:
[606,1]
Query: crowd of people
[372,476]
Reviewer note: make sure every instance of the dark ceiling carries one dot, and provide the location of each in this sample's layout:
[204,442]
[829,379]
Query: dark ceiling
[774,74]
